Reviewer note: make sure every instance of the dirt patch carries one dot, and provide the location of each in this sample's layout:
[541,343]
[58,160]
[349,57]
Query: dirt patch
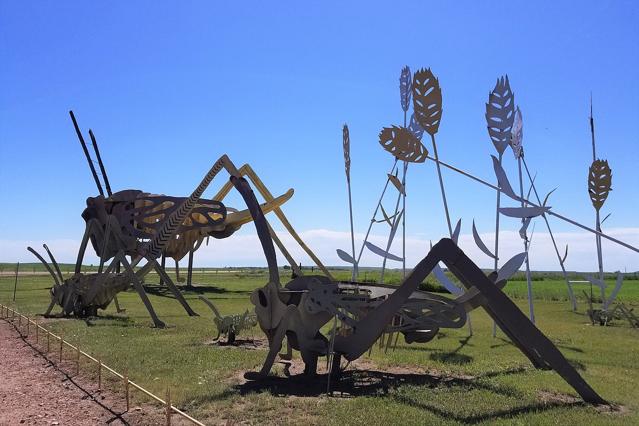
[563,399]
[34,391]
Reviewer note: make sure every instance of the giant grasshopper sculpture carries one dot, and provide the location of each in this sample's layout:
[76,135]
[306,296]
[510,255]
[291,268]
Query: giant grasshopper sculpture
[299,309]
[126,223]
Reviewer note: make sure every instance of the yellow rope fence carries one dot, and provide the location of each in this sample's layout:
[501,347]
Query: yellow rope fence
[25,322]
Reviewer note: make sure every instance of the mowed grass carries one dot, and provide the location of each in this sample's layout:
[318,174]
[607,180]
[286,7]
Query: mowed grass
[453,379]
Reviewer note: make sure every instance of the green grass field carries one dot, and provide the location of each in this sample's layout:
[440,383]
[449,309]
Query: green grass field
[450,380]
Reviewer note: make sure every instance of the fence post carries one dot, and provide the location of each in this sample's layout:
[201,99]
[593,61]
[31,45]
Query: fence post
[61,344]
[48,341]
[126,388]
[77,359]
[15,285]
[99,374]
[168,406]
[28,324]
[37,331]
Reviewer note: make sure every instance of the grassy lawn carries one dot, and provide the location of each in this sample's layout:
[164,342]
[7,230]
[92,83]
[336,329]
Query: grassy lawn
[450,380]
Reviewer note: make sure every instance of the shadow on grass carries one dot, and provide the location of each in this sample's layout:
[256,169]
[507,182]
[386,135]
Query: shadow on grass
[447,357]
[356,383]
[454,357]
[366,383]
[164,291]
[109,320]
[493,415]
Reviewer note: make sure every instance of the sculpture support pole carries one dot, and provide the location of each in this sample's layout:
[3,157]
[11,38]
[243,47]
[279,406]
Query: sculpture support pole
[441,186]
[189,273]
[496,253]
[350,210]
[391,235]
[530,203]
[600,258]
[361,250]
[525,237]
[404,218]
[552,238]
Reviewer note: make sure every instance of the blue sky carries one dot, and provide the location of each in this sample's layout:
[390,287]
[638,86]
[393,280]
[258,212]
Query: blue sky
[168,88]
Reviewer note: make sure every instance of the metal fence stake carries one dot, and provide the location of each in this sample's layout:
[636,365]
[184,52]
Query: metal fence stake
[126,388]
[99,375]
[168,406]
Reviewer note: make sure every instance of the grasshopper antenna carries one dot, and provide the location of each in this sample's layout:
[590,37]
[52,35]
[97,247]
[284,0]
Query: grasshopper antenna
[86,153]
[46,265]
[55,264]
[102,169]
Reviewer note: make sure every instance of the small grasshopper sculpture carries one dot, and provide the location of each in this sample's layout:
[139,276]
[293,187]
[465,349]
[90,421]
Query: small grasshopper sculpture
[230,325]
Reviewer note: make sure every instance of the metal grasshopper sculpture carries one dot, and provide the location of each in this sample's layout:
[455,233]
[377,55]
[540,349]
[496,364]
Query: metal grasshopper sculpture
[304,305]
[143,226]
[230,325]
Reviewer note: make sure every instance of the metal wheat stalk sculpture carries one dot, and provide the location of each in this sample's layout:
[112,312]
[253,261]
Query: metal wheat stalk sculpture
[516,143]
[347,167]
[500,113]
[427,104]
[405,90]
[599,186]
[427,107]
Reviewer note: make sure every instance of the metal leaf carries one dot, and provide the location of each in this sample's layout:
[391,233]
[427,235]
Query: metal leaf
[480,243]
[547,196]
[401,142]
[381,252]
[510,267]
[604,219]
[346,257]
[427,100]
[386,218]
[394,228]
[395,181]
[347,151]
[502,180]
[455,236]
[615,291]
[405,87]
[523,212]
[500,114]
[517,135]
[599,182]
[595,281]
[563,260]
[443,279]
[415,128]
[524,228]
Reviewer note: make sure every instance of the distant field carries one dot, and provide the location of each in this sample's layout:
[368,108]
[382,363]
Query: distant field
[486,380]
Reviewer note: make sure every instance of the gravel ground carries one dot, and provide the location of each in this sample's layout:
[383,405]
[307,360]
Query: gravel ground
[33,391]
